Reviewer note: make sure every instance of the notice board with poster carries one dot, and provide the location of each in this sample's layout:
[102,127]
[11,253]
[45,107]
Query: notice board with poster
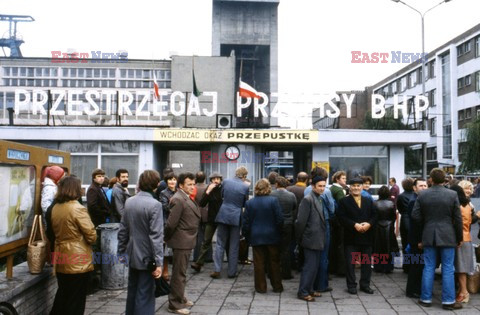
[17,199]
[21,168]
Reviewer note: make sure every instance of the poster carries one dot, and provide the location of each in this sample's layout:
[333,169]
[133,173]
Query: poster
[16,202]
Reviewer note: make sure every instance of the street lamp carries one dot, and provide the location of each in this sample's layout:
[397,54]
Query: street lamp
[422,15]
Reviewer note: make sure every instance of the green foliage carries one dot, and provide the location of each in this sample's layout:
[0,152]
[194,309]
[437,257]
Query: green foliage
[471,162]
[387,122]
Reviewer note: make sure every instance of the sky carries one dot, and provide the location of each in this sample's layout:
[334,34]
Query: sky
[316,38]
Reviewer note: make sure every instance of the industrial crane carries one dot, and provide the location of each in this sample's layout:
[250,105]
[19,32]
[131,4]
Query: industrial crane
[12,42]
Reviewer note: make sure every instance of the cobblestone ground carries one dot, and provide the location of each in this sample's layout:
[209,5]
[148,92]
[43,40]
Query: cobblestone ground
[238,297]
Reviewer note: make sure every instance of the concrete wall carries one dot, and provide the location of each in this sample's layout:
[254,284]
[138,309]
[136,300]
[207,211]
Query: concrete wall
[211,74]
[27,293]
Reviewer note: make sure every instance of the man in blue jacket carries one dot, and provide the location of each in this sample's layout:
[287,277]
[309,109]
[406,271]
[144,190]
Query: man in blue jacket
[235,194]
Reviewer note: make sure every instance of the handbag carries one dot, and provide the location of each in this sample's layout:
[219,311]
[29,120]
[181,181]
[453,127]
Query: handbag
[37,249]
[161,287]
[473,281]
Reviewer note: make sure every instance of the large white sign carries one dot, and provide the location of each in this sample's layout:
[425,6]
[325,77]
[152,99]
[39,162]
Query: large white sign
[77,102]
[69,103]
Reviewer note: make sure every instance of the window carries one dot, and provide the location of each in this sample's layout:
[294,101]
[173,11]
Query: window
[432,154]
[30,72]
[464,48]
[14,72]
[468,46]
[403,84]
[23,72]
[477,81]
[394,87]
[468,113]
[433,126]
[109,156]
[81,73]
[96,73]
[361,160]
[38,72]
[461,83]
[477,46]
[412,79]
[73,72]
[432,98]
[89,73]
[478,112]
[46,72]
[461,115]
[468,80]
[432,69]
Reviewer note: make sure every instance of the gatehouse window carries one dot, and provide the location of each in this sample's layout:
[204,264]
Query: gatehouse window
[360,161]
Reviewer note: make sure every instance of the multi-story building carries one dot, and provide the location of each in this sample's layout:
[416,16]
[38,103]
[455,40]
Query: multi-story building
[452,85]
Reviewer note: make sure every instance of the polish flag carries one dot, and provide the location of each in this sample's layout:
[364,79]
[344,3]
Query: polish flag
[246,91]
[155,87]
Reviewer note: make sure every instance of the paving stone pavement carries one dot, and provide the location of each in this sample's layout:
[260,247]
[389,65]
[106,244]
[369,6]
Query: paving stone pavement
[237,297]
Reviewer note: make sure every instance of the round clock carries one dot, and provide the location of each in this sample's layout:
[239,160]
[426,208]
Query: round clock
[232,152]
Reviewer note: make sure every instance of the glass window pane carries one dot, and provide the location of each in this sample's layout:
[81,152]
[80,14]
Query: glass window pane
[354,151]
[124,147]
[377,168]
[82,167]
[110,164]
[84,147]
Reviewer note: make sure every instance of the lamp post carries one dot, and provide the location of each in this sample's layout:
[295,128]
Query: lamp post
[422,16]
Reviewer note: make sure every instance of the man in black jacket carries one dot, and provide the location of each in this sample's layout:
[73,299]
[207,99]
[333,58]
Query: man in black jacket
[414,260]
[213,197]
[358,215]
[437,209]
[97,203]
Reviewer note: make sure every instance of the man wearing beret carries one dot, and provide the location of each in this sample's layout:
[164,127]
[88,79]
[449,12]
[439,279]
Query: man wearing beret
[358,214]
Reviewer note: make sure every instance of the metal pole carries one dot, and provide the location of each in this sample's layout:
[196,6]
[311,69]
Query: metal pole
[186,107]
[424,121]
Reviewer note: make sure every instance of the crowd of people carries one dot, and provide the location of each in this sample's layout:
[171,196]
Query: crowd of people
[305,226]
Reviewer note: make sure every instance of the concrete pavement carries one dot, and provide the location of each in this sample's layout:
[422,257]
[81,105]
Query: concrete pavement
[237,297]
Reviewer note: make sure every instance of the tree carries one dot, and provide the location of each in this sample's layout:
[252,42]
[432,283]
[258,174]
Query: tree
[387,122]
[471,162]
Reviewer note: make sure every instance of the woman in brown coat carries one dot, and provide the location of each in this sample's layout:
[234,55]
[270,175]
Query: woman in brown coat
[72,259]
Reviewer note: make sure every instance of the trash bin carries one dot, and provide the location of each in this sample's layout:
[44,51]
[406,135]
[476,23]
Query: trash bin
[114,272]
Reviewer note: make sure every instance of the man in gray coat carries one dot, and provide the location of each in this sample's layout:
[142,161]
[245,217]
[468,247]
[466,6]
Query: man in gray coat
[310,229]
[437,210]
[141,238]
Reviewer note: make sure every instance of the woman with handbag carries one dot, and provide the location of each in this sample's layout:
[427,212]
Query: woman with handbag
[72,259]
[464,254]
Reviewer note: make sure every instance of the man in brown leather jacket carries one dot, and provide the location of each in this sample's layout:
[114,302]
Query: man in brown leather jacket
[181,235]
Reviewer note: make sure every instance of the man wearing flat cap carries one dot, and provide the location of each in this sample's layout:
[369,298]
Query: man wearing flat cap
[358,214]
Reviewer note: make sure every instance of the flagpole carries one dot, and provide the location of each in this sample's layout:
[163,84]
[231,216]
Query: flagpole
[239,80]
[186,93]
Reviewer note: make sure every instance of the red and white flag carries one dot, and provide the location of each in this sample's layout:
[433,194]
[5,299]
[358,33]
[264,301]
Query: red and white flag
[246,90]
[156,95]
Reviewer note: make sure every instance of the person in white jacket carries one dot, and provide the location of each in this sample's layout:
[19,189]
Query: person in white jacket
[52,175]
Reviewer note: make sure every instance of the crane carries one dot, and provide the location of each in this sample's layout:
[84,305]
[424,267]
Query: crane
[12,41]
